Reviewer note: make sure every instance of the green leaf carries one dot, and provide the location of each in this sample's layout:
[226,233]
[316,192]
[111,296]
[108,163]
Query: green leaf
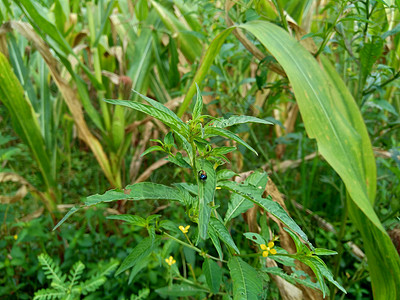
[211,131]
[139,253]
[300,247]
[207,62]
[151,149]
[198,107]
[24,120]
[141,10]
[213,274]
[223,233]
[247,285]
[214,238]
[293,278]
[369,54]
[131,219]
[255,184]
[225,174]
[321,251]
[151,111]
[270,206]
[320,270]
[137,191]
[188,43]
[206,195]
[332,117]
[162,108]
[69,213]
[235,120]
[181,290]
[255,237]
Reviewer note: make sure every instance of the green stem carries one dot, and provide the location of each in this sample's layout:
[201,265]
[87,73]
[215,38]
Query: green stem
[340,248]
[194,248]
[328,33]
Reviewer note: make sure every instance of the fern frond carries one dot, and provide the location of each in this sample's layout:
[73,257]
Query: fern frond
[48,294]
[143,294]
[51,270]
[92,284]
[75,273]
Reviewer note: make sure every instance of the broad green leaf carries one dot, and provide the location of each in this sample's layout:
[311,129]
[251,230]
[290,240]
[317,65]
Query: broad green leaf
[332,117]
[270,206]
[213,274]
[383,260]
[247,285]
[181,290]
[198,107]
[138,191]
[206,195]
[223,233]
[211,131]
[24,120]
[139,253]
[235,120]
[151,111]
[131,219]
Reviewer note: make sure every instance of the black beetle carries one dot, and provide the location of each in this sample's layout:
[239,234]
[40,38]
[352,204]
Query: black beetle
[202,175]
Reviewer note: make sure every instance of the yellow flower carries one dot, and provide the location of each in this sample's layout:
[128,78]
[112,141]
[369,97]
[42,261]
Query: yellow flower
[170,261]
[268,249]
[184,229]
[15,237]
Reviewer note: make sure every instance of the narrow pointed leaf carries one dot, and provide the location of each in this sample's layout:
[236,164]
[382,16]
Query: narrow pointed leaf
[235,120]
[206,195]
[270,206]
[140,252]
[138,191]
[213,274]
[223,233]
[226,133]
[198,107]
[151,111]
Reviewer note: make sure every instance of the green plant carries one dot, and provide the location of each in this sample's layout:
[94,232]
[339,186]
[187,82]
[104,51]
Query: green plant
[207,209]
[70,287]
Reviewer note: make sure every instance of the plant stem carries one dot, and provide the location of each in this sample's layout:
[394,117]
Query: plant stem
[194,248]
[340,248]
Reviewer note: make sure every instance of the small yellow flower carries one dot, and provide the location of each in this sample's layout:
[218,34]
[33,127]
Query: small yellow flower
[170,261]
[268,249]
[184,229]
[218,188]
[16,237]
